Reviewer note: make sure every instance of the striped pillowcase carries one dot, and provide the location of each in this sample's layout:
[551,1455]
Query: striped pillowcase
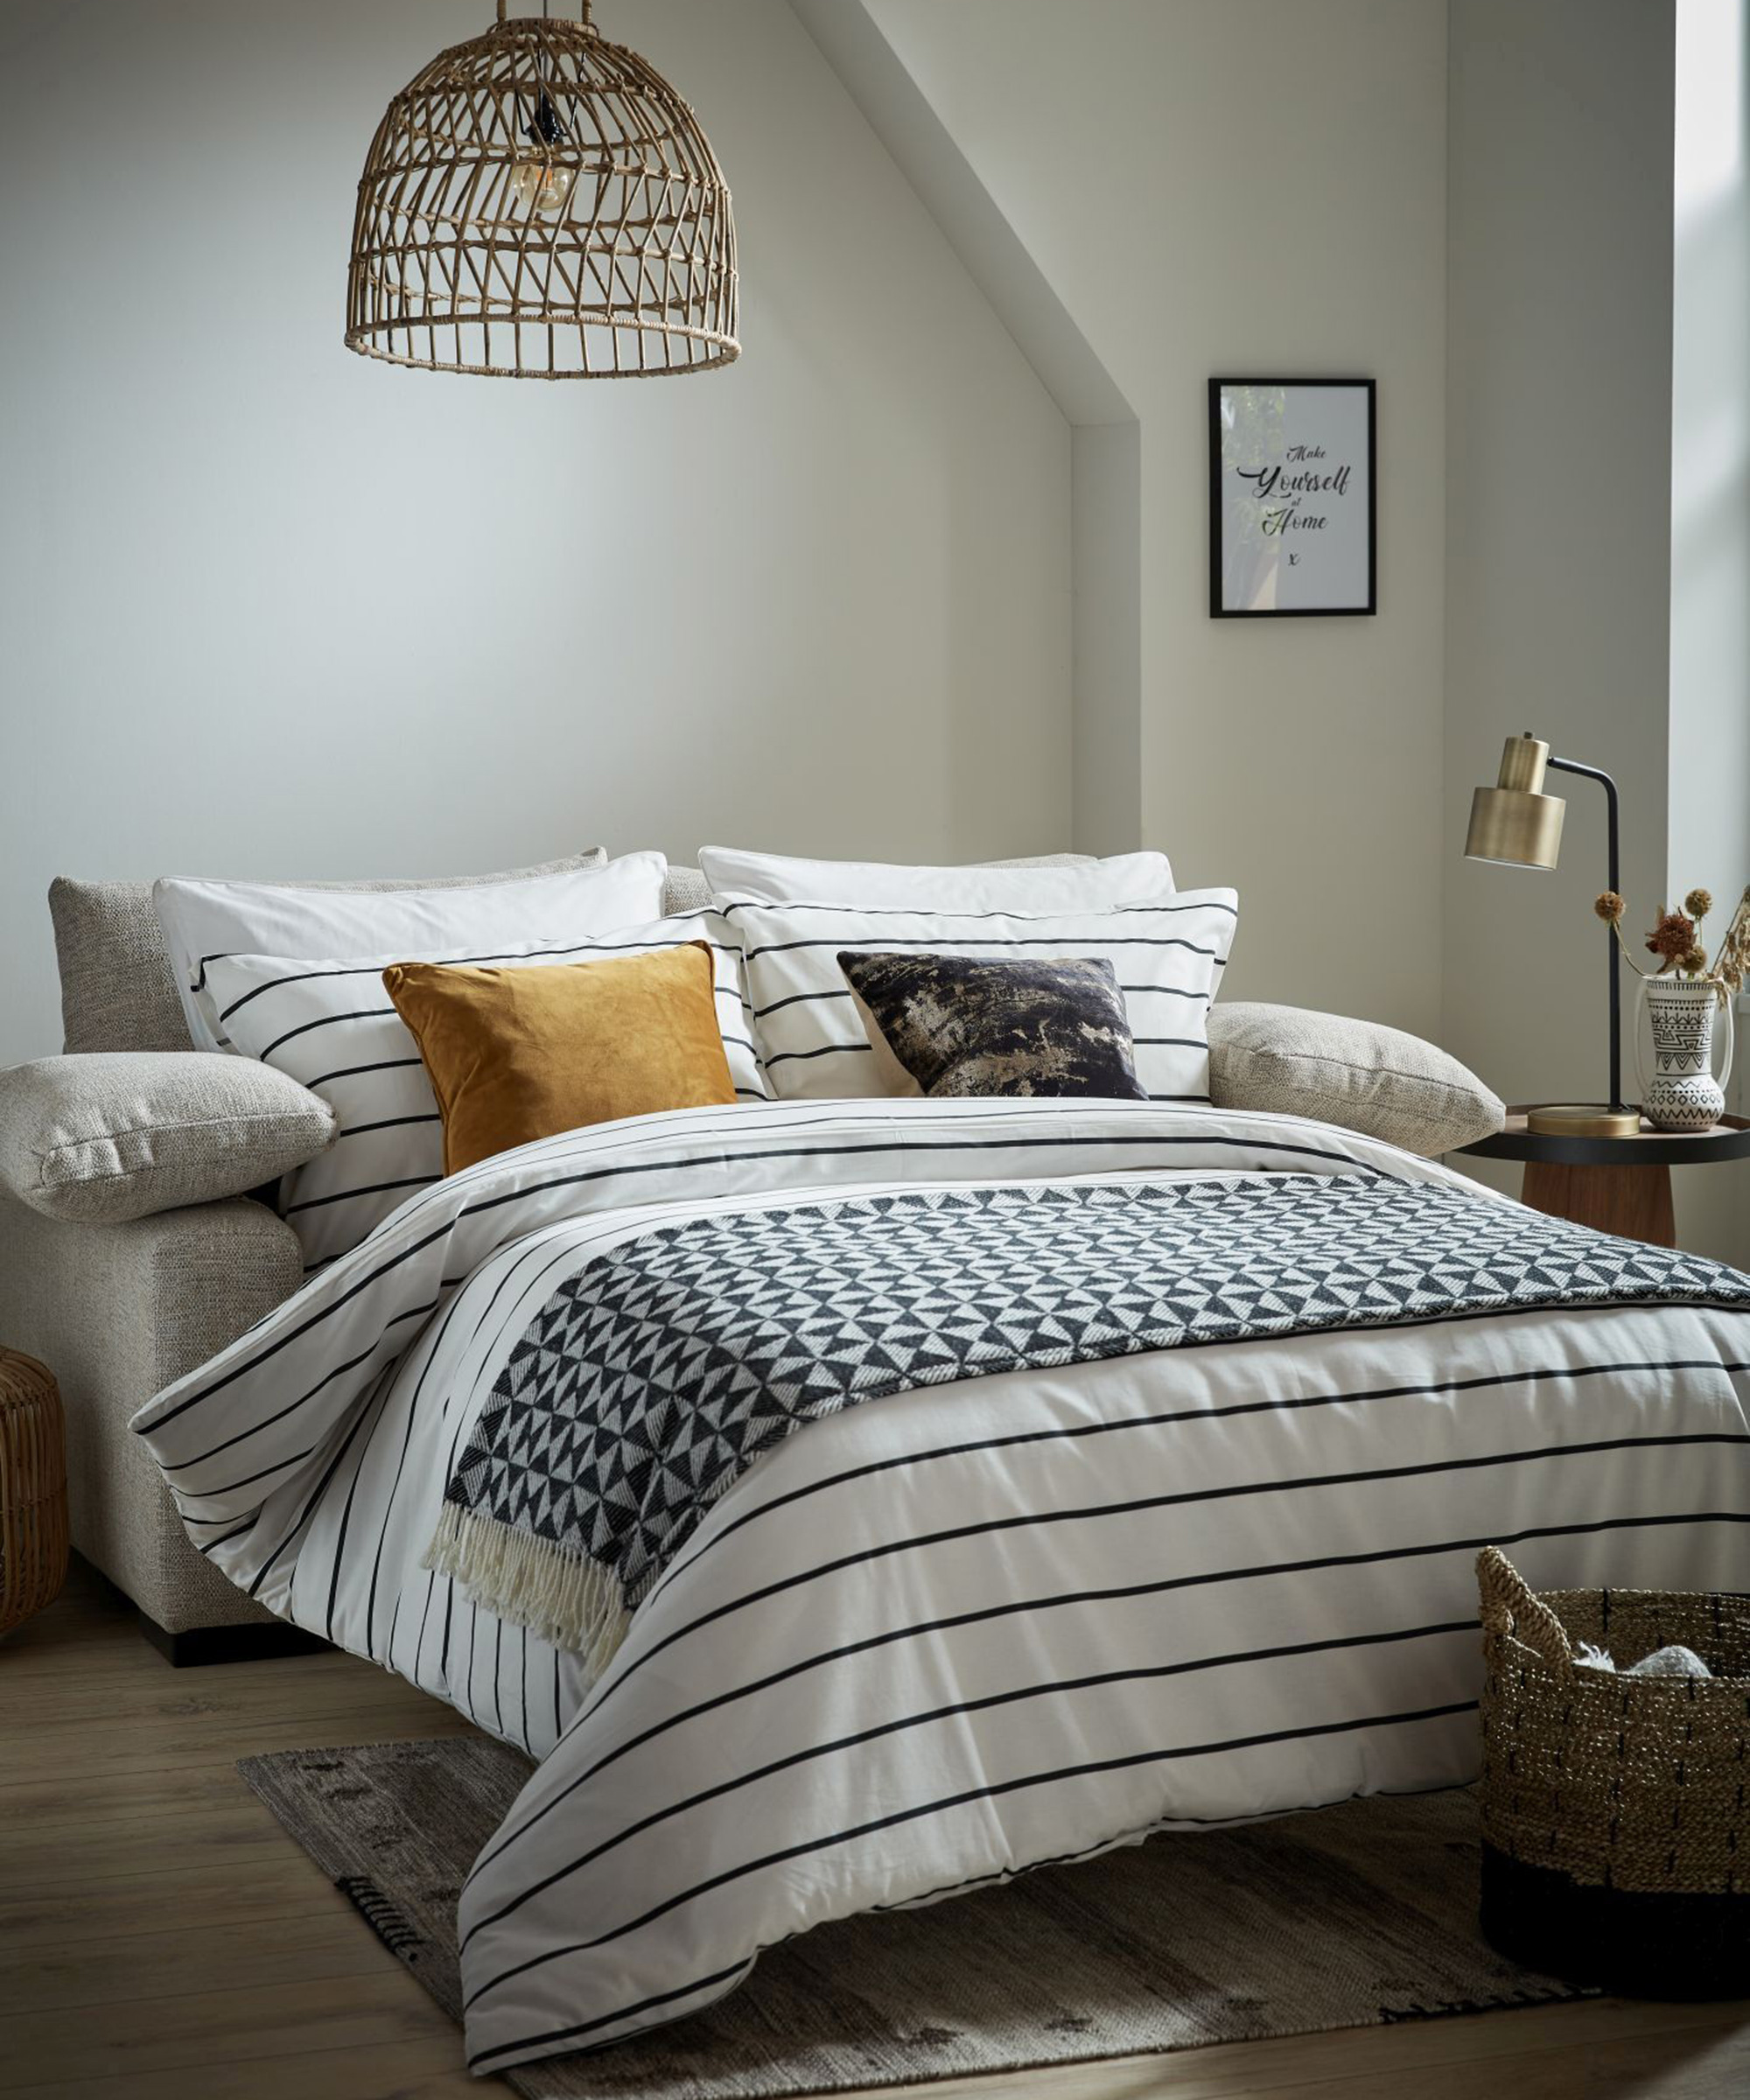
[332,1026]
[815,1038]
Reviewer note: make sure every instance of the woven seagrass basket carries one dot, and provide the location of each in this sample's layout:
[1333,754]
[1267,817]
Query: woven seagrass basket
[33,1535]
[1616,1809]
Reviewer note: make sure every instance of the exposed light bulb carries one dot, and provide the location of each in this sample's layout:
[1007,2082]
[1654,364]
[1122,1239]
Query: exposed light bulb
[542,187]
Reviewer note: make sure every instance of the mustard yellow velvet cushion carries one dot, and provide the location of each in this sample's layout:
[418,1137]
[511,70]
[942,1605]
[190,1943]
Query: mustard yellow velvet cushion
[517,1054]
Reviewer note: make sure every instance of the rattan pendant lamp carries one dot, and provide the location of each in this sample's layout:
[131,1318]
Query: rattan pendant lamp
[540,204]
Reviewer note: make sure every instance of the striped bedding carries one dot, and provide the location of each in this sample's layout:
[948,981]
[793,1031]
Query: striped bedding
[935,1640]
[332,1027]
[1168,954]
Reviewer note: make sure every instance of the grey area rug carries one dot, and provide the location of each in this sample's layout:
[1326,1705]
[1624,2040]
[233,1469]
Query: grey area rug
[1356,1916]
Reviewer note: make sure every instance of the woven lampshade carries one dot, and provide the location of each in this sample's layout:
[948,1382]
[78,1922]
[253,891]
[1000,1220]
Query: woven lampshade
[540,204]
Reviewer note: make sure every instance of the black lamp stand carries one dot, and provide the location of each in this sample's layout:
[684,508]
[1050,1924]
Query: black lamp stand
[1592,773]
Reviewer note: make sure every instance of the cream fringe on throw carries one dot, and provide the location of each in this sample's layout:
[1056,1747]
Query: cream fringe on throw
[566,1598]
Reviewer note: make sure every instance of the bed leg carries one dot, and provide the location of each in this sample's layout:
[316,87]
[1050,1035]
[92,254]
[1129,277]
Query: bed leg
[198,1646]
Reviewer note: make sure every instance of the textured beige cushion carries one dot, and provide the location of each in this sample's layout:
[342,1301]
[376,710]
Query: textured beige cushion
[686,890]
[1378,1080]
[107,1138]
[117,988]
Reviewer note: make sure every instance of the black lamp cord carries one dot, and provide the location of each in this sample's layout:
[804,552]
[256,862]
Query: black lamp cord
[545,127]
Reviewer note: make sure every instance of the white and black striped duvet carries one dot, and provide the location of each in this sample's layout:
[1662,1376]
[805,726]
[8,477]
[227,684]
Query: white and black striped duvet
[961,1630]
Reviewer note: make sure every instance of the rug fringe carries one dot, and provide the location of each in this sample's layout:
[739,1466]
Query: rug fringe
[566,1598]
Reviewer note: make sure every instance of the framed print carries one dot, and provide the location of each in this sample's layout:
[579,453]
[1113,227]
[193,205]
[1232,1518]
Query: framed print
[1291,498]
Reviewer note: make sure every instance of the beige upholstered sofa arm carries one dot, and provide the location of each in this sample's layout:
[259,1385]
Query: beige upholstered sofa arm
[116,1312]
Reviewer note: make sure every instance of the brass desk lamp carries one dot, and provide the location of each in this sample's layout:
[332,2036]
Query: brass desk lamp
[1516,825]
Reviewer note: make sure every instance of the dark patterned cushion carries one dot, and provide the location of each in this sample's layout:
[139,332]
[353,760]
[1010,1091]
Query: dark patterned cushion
[965,1025]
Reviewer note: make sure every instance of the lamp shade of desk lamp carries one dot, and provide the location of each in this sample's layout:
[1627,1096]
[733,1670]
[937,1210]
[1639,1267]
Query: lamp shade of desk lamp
[1515,824]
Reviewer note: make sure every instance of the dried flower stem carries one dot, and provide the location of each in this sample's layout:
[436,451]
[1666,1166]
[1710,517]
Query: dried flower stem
[1732,963]
[1628,956]
[1674,941]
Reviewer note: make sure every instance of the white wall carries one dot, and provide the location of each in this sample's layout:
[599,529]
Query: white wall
[1559,502]
[269,608]
[1106,721]
[1105,439]
[1236,185]
[1708,791]
[1597,520]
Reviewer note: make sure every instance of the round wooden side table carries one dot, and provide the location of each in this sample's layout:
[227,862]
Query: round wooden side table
[33,1533]
[1619,1185]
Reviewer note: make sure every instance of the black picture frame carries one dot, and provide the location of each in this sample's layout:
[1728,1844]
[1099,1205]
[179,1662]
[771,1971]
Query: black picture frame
[1218,520]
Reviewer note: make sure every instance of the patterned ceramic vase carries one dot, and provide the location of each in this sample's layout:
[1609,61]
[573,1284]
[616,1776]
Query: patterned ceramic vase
[1682,1093]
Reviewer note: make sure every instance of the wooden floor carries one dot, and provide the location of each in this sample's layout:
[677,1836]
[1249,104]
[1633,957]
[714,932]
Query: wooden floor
[162,1939]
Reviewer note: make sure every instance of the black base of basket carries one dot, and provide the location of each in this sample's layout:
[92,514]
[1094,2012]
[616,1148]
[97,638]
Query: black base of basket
[1626,1941]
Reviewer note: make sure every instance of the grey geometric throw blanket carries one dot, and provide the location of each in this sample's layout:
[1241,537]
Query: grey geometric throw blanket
[655,1375]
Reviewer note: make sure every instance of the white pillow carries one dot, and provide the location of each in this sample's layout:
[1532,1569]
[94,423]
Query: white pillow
[813,1037]
[204,919]
[1039,890]
[333,1028]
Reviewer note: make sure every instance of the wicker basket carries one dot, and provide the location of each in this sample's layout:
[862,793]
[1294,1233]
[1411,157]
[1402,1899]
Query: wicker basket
[33,1542]
[1616,1809]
